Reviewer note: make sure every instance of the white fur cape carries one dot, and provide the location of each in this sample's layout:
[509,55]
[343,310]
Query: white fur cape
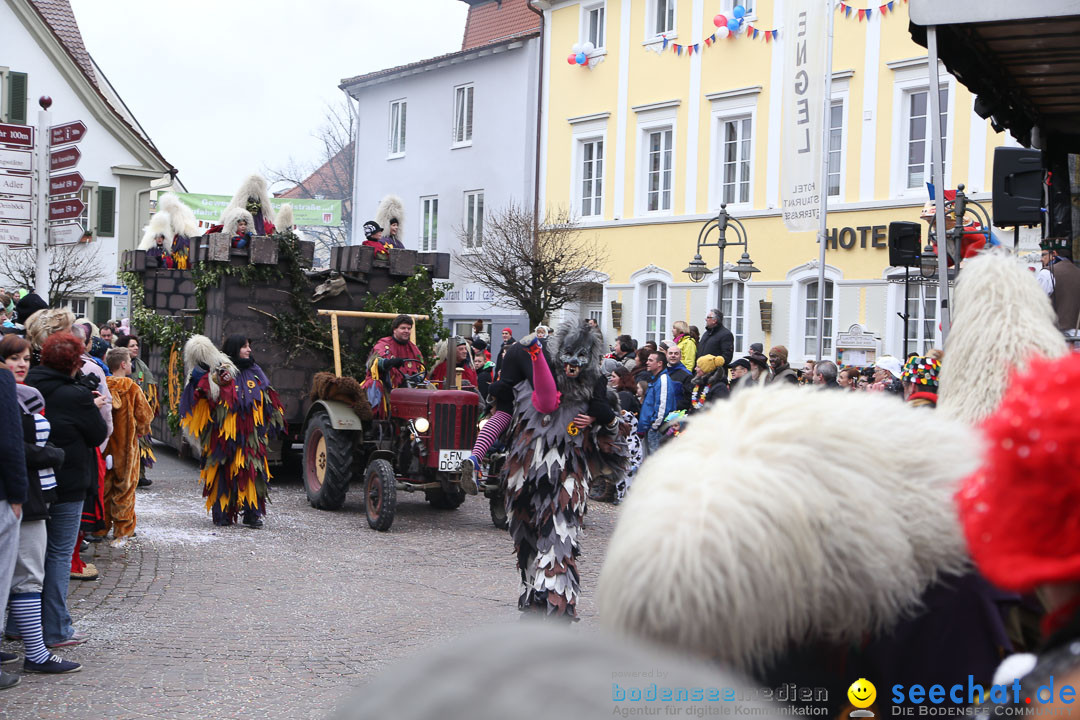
[200,349]
[285,220]
[182,217]
[232,218]
[1001,319]
[254,186]
[785,516]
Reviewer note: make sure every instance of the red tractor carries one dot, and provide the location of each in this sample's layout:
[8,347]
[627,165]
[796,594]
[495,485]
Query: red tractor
[419,448]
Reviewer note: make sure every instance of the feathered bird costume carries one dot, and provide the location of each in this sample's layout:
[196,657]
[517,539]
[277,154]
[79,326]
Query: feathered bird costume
[254,197]
[548,467]
[177,224]
[234,414]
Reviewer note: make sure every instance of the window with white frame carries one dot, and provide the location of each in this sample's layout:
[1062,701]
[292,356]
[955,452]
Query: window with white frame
[659,170]
[836,147]
[655,311]
[429,224]
[593,24]
[474,219]
[916,112]
[85,219]
[660,16]
[77,306]
[811,298]
[397,128]
[728,6]
[734,311]
[922,312]
[592,178]
[736,154]
[463,115]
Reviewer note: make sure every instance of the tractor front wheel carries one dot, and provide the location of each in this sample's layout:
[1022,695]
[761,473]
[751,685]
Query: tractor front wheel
[380,494]
[328,462]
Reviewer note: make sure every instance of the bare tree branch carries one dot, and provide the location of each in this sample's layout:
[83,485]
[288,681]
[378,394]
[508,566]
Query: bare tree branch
[329,175]
[74,270]
[538,274]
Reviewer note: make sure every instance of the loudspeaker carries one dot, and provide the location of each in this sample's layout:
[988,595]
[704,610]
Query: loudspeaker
[905,243]
[1018,186]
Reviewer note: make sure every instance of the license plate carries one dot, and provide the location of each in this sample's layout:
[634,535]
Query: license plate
[450,460]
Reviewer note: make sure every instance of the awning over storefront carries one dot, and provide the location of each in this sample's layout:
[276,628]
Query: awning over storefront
[1020,58]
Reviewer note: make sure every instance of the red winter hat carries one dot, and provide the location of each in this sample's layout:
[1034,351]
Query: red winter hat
[1019,509]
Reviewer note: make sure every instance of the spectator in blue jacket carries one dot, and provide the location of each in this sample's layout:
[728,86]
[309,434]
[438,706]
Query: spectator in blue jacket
[660,399]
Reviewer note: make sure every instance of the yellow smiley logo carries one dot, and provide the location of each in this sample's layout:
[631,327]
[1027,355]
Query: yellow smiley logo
[251,384]
[572,429]
[862,693]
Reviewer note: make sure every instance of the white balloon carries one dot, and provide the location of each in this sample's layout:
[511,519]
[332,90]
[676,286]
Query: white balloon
[588,47]
[723,32]
[576,49]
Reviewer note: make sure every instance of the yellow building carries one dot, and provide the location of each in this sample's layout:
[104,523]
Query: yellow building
[645,142]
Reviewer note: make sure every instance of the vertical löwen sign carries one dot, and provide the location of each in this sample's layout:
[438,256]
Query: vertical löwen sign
[804,96]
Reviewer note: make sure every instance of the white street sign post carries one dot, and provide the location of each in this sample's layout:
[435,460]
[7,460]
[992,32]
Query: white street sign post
[18,185]
[41,231]
[66,234]
[15,235]
[15,210]
[19,160]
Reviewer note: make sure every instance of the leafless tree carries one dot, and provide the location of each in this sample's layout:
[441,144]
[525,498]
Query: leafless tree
[537,271]
[74,271]
[329,175]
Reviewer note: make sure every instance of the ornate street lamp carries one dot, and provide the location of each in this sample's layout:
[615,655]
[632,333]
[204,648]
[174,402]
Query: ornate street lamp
[698,270]
[928,262]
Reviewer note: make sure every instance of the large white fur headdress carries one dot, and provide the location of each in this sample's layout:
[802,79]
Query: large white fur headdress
[390,207]
[1001,319]
[232,217]
[254,186]
[199,349]
[182,217]
[761,527]
[160,224]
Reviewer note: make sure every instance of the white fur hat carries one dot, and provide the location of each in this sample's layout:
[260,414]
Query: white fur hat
[736,545]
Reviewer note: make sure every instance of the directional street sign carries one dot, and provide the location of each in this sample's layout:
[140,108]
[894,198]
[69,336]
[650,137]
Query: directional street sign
[22,135]
[64,159]
[17,210]
[21,185]
[114,290]
[14,234]
[71,132]
[65,234]
[21,160]
[65,184]
[65,209]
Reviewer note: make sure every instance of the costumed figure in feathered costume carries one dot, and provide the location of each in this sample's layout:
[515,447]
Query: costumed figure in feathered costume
[156,241]
[562,422]
[232,410]
[796,556]
[184,226]
[390,216]
[237,225]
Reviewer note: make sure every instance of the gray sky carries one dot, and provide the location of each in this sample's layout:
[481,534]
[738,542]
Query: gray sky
[227,87]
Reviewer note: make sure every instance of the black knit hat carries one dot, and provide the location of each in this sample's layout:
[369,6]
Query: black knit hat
[27,306]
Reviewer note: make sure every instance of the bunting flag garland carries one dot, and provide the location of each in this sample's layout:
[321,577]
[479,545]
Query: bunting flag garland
[866,13]
[751,33]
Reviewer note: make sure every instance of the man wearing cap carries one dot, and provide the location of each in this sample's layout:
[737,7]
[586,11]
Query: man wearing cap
[1060,279]
[507,341]
[887,373]
[717,339]
[781,371]
[397,352]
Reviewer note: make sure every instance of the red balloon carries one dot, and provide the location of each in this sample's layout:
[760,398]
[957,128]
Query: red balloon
[572,59]
[720,21]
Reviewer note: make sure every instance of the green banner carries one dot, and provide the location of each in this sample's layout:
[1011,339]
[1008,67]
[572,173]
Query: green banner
[306,213]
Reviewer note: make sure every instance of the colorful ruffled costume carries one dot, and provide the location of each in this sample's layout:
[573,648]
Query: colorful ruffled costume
[142,376]
[234,423]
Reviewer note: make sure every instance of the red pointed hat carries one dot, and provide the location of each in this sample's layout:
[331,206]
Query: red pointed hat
[1019,510]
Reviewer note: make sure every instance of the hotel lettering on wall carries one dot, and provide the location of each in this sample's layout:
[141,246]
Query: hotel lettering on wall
[860,237]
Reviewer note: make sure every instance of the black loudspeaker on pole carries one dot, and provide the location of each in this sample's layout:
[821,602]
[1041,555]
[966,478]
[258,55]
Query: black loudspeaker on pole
[905,244]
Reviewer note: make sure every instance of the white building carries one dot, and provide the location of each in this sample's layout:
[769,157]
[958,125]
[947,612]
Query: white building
[42,53]
[454,136]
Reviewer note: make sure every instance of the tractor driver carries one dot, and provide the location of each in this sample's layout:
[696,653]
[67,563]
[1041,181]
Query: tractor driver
[397,353]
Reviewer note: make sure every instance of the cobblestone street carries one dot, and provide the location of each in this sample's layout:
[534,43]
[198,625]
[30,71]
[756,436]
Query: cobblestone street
[193,621]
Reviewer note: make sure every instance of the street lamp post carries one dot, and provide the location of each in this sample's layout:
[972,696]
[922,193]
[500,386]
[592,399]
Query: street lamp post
[698,270]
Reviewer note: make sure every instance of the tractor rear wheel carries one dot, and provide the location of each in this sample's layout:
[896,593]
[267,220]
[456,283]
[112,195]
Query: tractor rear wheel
[328,462]
[498,511]
[380,494]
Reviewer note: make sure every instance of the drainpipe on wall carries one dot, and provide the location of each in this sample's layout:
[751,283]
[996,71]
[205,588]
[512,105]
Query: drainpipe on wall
[539,118]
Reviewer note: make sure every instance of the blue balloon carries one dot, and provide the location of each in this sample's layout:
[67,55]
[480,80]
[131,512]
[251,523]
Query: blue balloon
[581,58]
[733,25]
[738,11]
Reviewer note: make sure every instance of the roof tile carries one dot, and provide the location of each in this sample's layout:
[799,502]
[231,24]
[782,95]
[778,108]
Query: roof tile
[498,20]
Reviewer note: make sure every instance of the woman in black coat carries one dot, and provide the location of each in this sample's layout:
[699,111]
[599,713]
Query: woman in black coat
[72,409]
